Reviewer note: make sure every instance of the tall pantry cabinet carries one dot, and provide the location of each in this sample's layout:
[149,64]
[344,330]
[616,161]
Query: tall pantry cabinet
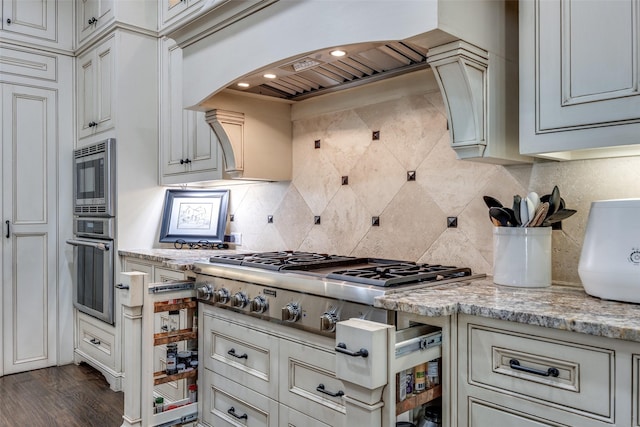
[117,97]
[36,88]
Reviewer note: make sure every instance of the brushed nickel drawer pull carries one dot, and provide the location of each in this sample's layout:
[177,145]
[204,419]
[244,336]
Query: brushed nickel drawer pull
[342,348]
[232,352]
[551,372]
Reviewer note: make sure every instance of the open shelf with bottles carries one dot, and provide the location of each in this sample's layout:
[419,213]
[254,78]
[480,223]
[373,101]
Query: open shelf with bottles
[158,316]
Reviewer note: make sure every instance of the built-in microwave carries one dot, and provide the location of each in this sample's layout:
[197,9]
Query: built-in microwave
[94,179]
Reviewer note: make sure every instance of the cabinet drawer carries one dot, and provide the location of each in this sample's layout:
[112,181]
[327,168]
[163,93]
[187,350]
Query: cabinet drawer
[292,418]
[167,275]
[488,414]
[305,372]
[228,403]
[97,342]
[235,351]
[570,376]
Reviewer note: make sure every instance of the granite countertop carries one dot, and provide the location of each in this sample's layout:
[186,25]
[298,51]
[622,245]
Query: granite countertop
[560,307]
[176,259]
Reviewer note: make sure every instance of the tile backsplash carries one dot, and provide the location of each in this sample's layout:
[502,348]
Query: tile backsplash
[413,214]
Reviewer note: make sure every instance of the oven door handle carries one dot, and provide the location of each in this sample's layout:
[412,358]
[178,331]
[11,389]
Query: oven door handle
[101,246]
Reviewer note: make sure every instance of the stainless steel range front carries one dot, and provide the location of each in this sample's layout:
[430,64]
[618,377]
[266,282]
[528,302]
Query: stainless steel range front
[312,291]
[300,326]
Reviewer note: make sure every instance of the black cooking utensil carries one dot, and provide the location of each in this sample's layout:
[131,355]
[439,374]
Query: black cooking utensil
[558,216]
[492,202]
[502,216]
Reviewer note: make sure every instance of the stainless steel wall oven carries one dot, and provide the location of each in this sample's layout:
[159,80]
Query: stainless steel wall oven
[94,227]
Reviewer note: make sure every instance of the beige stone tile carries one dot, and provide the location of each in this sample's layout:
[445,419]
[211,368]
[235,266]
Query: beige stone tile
[294,219]
[409,127]
[408,226]
[453,248]
[268,239]
[260,201]
[450,182]
[318,181]
[377,178]
[344,222]
[345,140]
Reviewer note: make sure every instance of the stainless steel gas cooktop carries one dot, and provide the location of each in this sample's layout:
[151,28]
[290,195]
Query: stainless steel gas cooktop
[298,288]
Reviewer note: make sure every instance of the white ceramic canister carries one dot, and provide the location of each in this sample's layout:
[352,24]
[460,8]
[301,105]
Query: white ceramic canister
[522,256]
[610,258]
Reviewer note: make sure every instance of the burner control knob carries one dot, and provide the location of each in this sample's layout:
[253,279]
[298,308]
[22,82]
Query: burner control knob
[205,292]
[221,296]
[259,304]
[291,312]
[328,321]
[240,299]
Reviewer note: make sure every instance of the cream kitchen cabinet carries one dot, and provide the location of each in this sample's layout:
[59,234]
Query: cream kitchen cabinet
[266,372]
[189,149]
[35,89]
[579,91]
[95,82]
[523,375]
[95,17]
[174,12]
[46,23]
[114,79]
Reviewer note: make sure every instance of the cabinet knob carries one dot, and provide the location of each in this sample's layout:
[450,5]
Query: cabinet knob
[93,20]
[8,20]
[92,124]
[185,161]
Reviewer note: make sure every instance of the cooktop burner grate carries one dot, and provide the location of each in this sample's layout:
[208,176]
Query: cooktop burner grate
[285,260]
[368,271]
[396,274]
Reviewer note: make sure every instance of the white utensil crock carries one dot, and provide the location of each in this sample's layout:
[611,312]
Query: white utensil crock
[522,256]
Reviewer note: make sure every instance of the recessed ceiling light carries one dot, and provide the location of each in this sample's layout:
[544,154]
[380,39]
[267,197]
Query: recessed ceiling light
[243,84]
[338,53]
[269,76]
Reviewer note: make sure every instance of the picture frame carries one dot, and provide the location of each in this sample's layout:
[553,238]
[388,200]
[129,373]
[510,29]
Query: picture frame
[194,216]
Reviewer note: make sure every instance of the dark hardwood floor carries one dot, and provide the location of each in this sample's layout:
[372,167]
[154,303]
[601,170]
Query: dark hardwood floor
[70,396]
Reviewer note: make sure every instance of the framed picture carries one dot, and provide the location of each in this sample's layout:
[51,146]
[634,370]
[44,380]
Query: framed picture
[194,215]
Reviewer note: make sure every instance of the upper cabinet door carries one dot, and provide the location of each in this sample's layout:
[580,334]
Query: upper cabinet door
[91,16]
[44,22]
[174,11]
[189,149]
[579,87]
[95,80]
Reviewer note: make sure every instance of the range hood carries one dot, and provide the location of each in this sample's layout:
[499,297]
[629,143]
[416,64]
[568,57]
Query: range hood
[282,50]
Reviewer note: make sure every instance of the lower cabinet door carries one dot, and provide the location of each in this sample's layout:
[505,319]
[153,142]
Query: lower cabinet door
[292,418]
[96,341]
[307,382]
[228,403]
[237,351]
[485,414]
